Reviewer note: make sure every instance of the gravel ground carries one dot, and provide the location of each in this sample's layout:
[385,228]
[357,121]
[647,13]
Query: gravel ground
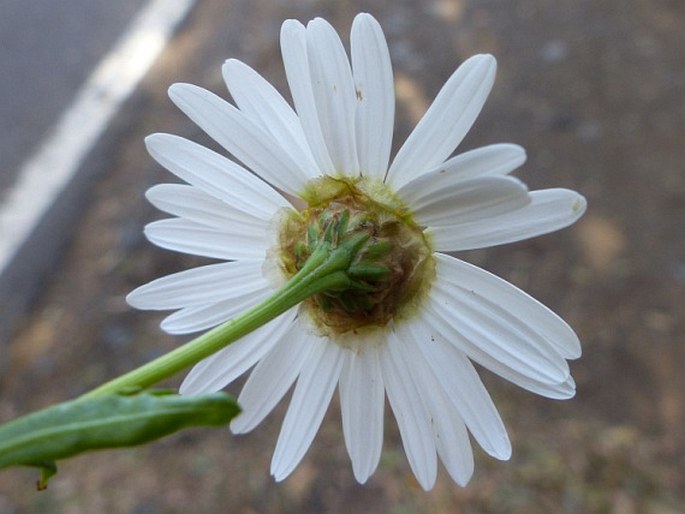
[593,91]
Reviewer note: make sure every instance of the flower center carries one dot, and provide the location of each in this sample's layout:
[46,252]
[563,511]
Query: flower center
[388,275]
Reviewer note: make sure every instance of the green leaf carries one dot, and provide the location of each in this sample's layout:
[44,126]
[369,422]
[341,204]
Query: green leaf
[47,471]
[107,421]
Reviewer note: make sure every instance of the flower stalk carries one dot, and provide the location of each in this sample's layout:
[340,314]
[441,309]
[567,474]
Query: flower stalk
[118,413]
[326,269]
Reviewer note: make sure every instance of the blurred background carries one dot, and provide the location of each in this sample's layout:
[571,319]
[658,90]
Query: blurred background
[595,92]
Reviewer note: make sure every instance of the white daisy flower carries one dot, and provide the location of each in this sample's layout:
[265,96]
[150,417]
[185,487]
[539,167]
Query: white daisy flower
[420,317]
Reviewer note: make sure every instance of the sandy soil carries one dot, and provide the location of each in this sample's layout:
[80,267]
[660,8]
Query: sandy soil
[594,91]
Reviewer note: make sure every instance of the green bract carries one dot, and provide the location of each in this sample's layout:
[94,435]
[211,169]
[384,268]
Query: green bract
[388,275]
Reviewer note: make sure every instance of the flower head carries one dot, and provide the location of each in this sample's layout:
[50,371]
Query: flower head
[412,318]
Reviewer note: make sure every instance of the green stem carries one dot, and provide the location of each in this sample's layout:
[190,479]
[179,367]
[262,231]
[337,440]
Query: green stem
[324,270]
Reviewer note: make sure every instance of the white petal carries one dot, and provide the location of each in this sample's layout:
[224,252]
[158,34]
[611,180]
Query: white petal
[447,120]
[200,286]
[492,331]
[517,303]
[202,317]
[313,392]
[491,338]
[259,99]
[499,159]
[240,135]
[507,369]
[410,411]
[215,175]
[296,62]
[193,204]
[235,241]
[549,210]
[362,397]
[453,444]
[272,377]
[334,95]
[223,367]
[462,385]
[447,202]
[375,92]
[562,391]
[451,437]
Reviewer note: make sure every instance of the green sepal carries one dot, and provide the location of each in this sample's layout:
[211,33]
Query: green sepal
[378,249]
[343,221]
[106,421]
[368,271]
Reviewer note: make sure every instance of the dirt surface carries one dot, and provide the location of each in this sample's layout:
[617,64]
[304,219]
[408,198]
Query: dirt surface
[593,91]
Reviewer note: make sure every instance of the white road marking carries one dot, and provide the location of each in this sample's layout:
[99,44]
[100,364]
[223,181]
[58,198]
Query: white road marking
[51,168]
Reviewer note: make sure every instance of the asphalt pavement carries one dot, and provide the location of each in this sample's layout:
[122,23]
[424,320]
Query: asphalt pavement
[47,51]
[68,68]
